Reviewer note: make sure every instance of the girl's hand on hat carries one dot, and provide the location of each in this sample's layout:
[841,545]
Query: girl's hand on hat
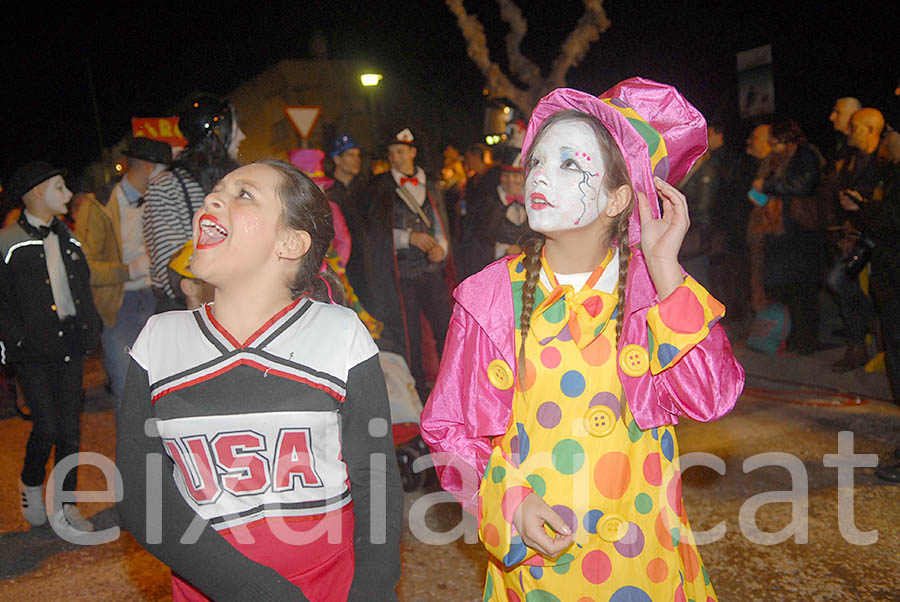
[661,237]
[529,520]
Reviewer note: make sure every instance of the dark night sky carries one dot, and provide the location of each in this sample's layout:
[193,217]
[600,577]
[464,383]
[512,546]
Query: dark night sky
[145,58]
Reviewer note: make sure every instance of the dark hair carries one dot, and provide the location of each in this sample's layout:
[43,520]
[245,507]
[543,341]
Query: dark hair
[615,176]
[207,160]
[788,132]
[304,207]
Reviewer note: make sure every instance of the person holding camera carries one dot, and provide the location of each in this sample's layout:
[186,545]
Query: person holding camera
[856,178]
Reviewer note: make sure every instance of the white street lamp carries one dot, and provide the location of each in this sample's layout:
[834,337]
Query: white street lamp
[370,79]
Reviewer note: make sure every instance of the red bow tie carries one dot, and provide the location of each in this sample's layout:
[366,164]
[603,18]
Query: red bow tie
[515,198]
[412,180]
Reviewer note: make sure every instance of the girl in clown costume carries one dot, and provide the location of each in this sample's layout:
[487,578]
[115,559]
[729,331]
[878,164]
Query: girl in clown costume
[567,366]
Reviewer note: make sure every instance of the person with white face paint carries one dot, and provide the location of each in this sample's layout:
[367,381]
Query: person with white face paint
[47,325]
[110,227]
[500,218]
[567,366]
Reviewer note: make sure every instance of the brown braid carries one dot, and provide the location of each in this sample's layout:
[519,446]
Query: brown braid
[624,256]
[532,263]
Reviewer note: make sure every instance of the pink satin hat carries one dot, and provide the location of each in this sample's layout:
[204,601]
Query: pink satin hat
[658,131]
[310,161]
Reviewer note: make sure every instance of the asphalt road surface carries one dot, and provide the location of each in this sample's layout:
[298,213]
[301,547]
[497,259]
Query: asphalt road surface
[792,406]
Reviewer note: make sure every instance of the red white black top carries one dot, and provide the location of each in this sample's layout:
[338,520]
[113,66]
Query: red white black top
[280,427]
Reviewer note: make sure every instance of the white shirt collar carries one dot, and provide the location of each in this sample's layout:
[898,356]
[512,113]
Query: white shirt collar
[607,282]
[34,221]
[419,175]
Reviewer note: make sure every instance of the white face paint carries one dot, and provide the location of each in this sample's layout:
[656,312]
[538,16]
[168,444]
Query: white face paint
[564,189]
[237,136]
[57,195]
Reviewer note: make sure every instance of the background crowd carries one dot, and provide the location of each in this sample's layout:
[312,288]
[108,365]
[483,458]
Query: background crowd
[776,228]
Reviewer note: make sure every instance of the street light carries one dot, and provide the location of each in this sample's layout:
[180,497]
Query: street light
[370,79]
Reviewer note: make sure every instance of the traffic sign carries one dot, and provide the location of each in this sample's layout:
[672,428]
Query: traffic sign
[303,118]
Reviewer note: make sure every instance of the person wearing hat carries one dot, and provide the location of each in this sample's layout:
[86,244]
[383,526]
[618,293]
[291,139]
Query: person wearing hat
[310,161]
[110,226]
[409,246]
[48,324]
[213,133]
[348,193]
[499,220]
[568,365]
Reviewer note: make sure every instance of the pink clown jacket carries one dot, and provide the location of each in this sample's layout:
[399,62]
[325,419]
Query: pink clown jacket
[659,134]
[466,410]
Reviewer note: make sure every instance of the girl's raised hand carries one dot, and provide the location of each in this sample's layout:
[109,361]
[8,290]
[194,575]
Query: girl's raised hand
[529,520]
[661,237]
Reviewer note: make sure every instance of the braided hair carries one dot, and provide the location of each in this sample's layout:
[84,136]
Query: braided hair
[615,176]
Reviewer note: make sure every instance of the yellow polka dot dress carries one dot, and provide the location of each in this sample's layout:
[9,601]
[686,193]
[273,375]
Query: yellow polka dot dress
[573,441]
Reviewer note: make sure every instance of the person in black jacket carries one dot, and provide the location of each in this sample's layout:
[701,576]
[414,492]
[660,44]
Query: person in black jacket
[860,173]
[500,223]
[348,191]
[794,260]
[48,324]
[409,256]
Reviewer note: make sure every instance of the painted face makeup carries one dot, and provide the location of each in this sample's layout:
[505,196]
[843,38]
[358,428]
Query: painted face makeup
[237,136]
[57,195]
[564,189]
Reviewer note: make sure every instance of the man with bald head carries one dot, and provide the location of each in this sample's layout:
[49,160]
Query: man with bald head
[864,131]
[843,110]
[877,212]
[856,178]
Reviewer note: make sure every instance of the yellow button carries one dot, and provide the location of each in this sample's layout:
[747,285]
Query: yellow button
[53,307]
[612,527]
[500,374]
[634,360]
[600,421]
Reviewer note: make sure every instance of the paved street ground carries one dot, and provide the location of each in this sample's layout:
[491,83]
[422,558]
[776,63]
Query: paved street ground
[792,405]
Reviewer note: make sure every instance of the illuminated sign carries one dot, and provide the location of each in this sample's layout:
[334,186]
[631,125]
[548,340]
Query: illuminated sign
[164,129]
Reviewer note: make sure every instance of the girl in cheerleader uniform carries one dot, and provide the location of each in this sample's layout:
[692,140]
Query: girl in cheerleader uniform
[266,412]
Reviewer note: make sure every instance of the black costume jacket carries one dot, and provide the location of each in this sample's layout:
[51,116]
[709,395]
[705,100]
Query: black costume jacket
[385,301]
[29,325]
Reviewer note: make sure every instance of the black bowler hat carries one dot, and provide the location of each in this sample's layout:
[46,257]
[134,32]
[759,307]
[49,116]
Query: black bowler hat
[28,176]
[154,151]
